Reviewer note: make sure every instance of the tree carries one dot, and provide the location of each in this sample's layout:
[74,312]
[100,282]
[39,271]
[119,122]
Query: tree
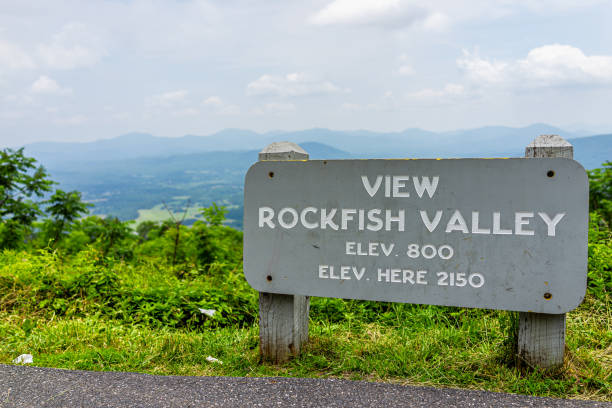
[115,238]
[216,242]
[214,215]
[65,208]
[177,230]
[145,228]
[20,180]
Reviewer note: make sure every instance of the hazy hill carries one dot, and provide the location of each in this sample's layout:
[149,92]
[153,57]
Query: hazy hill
[592,151]
[479,142]
[132,175]
[484,141]
[122,187]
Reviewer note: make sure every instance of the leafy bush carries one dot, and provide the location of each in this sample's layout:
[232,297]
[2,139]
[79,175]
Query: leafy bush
[599,281]
[89,284]
[600,192]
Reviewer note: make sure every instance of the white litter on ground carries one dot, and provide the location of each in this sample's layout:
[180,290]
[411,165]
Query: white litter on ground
[208,312]
[24,359]
[211,359]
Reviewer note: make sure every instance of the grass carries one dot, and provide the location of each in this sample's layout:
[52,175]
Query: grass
[88,311]
[417,345]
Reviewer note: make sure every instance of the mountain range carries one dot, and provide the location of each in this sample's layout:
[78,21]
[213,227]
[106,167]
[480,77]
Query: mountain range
[134,175]
[489,141]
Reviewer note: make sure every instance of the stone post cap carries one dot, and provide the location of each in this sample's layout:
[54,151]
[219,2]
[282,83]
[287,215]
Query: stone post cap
[549,146]
[548,141]
[283,151]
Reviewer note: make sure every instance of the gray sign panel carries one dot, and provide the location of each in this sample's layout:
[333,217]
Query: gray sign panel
[506,234]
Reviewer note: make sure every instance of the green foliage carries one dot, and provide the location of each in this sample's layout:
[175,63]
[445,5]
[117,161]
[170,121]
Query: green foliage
[600,258]
[600,191]
[216,243]
[214,215]
[144,229]
[45,285]
[64,208]
[203,244]
[20,180]
[600,237]
[115,238]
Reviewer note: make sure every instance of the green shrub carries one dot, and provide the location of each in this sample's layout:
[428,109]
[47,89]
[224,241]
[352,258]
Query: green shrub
[89,284]
[599,283]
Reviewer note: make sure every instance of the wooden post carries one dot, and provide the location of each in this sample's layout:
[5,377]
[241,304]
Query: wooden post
[283,319]
[541,338]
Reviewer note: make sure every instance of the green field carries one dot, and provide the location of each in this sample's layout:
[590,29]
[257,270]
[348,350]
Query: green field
[188,215]
[160,213]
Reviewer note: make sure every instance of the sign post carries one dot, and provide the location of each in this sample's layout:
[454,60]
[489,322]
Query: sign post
[541,338]
[506,234]
[283,318]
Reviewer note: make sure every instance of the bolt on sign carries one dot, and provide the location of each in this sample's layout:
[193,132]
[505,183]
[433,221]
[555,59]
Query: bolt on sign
[507,234]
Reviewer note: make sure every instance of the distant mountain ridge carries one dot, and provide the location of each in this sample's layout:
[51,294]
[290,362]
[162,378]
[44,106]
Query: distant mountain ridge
[592,151]
[135,187]
[487,141]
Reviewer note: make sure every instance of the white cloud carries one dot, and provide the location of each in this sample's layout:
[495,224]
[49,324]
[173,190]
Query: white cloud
[13,57]
[370,12]
[565,64]
[549,65]
[439,11]
[405,70]
[480,70]
[73,47]
[294,84]
[436,22]
[545,6]
[46,85]
[451,92]
[168,99]
[213,101]
[219,107]
[435,15]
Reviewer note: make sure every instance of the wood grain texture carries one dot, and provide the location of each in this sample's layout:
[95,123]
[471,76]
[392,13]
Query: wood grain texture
[283,319]
[541,338]
[283,325]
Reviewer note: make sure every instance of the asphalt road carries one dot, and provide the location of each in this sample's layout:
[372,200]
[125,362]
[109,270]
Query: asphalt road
[22,386]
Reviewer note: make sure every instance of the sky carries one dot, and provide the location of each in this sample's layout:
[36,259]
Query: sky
[74,70]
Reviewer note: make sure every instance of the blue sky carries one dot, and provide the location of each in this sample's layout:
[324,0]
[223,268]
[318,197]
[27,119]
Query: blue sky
[83,70]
